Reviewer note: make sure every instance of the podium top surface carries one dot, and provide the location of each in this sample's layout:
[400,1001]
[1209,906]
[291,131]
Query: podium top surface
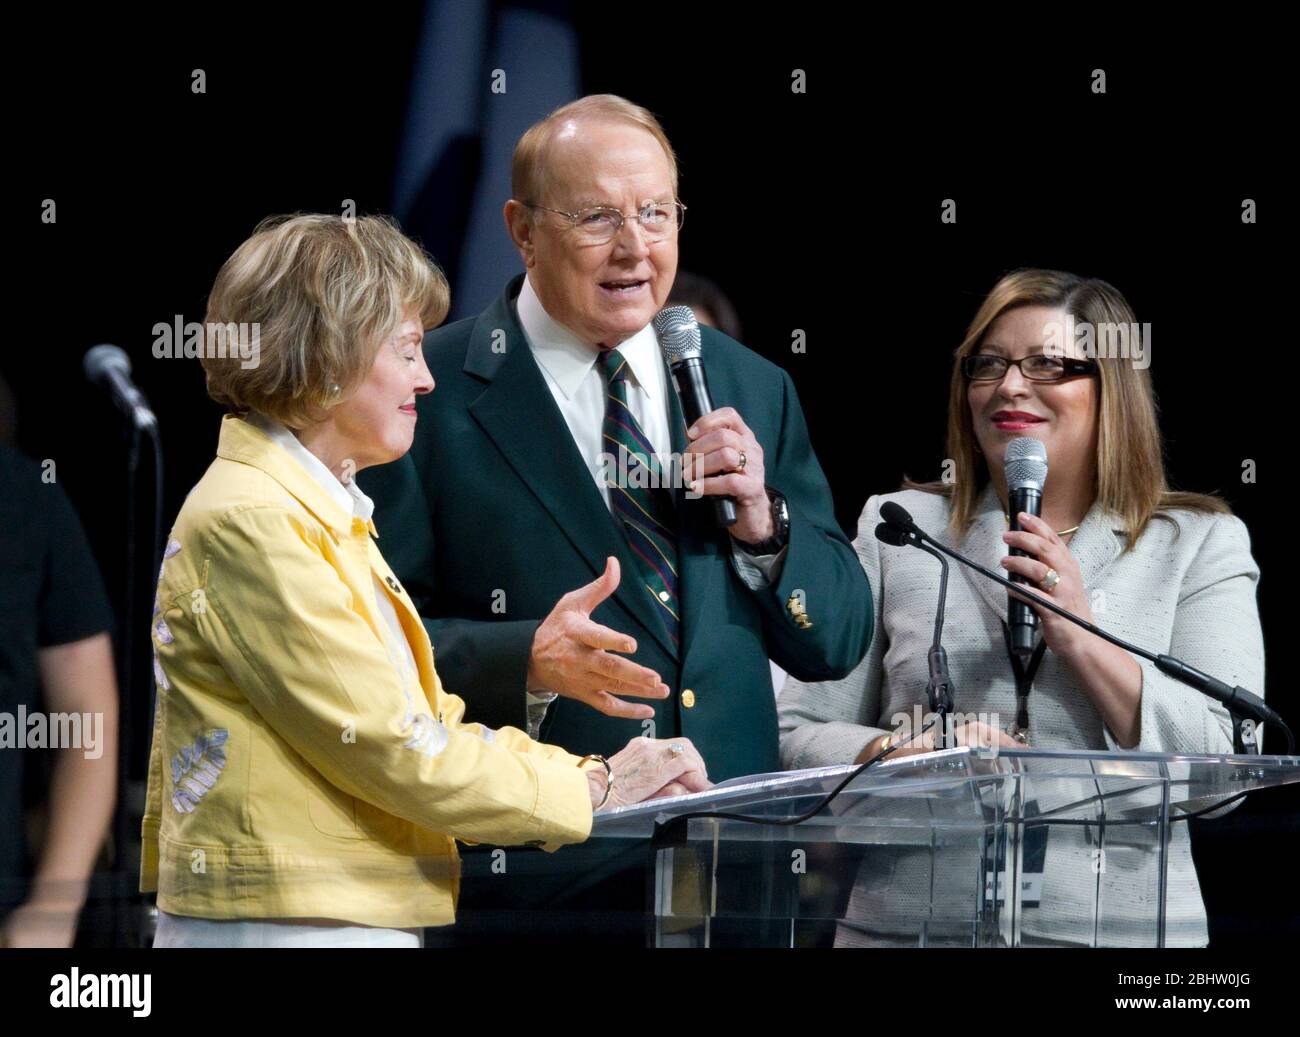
[966,786]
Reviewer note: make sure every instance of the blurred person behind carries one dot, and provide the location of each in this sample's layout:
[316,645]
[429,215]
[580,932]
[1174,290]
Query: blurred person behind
[56,658]
[707,301]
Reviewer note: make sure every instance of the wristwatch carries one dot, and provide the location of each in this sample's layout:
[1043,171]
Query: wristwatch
[781,531]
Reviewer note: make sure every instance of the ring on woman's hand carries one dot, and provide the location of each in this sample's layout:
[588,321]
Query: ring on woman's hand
[1049,582]
[743,461]
[675,750]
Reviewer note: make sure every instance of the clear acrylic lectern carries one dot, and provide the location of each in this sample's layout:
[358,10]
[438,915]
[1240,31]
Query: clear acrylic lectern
[962,847]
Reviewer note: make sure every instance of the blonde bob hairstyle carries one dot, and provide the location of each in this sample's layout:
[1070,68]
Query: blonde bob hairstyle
[324,293]
[528,166]
[1131,478]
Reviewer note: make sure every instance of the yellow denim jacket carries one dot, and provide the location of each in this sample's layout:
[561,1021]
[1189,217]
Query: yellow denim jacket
[291,774]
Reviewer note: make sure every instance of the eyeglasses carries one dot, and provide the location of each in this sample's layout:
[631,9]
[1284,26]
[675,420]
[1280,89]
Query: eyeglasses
[600,225]
[988,367]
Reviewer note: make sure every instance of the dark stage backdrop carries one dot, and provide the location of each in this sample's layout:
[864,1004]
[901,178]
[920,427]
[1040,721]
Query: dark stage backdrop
[816,211]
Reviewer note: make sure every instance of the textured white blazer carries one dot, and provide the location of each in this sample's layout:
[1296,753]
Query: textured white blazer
[1187,588]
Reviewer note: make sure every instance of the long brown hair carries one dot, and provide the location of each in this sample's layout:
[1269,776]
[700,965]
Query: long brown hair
[1131,478]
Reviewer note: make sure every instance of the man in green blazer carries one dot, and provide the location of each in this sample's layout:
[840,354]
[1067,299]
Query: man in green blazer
[502,520]
[494,516]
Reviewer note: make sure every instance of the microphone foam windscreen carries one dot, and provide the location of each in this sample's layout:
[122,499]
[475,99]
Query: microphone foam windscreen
[896,515]
[890,535]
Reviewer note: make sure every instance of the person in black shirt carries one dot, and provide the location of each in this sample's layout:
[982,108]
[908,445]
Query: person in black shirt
[56,660]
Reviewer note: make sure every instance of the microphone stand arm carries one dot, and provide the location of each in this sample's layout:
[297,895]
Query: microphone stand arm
[938,689]
[1239,702]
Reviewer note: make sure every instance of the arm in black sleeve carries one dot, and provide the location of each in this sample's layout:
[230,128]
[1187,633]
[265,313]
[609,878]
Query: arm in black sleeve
[486,664]
[72,604]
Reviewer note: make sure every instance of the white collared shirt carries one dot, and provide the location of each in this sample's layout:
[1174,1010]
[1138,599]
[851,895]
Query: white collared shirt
[347,496]
[578,385]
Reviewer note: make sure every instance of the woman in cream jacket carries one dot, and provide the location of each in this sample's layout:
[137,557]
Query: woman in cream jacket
[1171,572]
[309,774]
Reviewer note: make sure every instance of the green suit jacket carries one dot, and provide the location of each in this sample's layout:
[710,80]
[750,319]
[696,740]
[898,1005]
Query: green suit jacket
[493,516]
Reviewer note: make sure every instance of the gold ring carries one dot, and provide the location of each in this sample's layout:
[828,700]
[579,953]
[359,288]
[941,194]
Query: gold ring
[743,461]
[1049,582]
[675,750]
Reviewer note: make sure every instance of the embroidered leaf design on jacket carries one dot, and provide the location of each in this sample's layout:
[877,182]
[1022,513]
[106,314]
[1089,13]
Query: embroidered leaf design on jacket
[196,768]
[158,674]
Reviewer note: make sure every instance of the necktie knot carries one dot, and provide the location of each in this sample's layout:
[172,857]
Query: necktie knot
[614,364]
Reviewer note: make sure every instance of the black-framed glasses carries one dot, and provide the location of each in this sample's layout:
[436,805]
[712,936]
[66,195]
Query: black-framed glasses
[600,224]
[989,367]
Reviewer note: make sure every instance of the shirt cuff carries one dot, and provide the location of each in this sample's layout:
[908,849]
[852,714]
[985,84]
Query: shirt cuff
[538,704]
[758,571]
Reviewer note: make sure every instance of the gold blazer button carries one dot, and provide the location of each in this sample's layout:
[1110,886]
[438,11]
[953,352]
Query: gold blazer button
[688,699]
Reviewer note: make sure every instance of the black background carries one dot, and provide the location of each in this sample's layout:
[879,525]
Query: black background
[817,211]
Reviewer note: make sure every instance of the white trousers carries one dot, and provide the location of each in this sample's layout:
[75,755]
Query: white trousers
[184,931]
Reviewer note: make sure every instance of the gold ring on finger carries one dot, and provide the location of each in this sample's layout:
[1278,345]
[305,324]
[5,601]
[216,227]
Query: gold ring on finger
[1049,582]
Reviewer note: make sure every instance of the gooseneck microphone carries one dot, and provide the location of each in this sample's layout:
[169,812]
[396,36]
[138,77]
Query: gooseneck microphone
[679,338]
[1026,471]
[1239,702]
[939,687]
[110,367]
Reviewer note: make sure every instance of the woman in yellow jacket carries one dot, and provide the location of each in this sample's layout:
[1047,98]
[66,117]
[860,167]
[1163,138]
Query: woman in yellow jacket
[309,775]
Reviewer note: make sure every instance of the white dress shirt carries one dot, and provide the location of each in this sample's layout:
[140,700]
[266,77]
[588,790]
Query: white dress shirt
[578,386]
[569,366]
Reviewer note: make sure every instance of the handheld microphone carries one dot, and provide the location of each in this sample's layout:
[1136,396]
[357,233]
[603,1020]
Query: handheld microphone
[110,367]
[1239,701]
[679,338]
[1026,470]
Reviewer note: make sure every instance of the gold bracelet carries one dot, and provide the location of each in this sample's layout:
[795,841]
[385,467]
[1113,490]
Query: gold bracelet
[609,777]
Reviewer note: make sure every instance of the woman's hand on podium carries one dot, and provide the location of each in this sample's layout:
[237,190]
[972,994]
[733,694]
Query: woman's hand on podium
[649,768]
[975,734]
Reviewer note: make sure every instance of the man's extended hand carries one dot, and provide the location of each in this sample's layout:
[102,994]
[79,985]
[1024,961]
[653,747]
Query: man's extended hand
[571,657]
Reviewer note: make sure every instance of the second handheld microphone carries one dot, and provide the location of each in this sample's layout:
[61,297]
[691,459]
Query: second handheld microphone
[1026,471]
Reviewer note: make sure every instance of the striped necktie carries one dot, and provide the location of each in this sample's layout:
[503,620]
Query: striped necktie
[639,496]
